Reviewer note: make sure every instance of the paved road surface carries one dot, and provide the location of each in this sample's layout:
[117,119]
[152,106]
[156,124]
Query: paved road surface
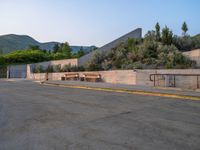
[37,117]
[167,90]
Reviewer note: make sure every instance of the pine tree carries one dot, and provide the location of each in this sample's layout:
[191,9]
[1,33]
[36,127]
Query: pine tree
[184,28]
[157,27]
[65,49]
[167,36]
[80,53]
[55,48]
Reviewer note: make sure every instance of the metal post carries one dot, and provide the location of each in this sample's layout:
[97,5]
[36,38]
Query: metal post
[8,72]
[197,82]
[174,80]
[46,76]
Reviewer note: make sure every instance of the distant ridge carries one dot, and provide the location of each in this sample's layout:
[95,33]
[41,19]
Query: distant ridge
[13,42]
[197,36]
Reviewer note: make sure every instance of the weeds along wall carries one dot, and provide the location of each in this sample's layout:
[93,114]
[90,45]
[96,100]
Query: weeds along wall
[62,63]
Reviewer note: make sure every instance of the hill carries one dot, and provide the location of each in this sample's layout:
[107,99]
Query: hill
[13,42]
[196,40]
[197,37]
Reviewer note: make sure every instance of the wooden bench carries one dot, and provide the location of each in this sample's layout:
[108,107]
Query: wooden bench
[92,77]
[70,76]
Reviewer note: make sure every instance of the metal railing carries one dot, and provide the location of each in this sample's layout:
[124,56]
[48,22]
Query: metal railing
[152,78]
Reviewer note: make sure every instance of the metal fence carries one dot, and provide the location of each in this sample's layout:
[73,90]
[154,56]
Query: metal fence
[171,82]
[17,71]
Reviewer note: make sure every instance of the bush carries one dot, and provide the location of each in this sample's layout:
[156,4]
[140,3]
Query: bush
[69,68]
[95,63]
[59,56]
[66,68]
[56,68]
[148,55]
[185,43]
[38,69]
[2,60]
[50,69]
[26,56]
[3,71]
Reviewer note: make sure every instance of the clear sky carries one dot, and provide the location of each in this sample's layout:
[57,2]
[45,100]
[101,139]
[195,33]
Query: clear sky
[94,22]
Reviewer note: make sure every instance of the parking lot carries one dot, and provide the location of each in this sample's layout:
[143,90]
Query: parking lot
[38,117]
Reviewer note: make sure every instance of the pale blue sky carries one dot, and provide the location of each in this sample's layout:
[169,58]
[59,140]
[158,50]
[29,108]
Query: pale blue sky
[94,22]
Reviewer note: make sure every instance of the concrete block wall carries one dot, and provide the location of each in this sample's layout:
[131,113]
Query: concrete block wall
[186,82]
[137,77]
[115,77]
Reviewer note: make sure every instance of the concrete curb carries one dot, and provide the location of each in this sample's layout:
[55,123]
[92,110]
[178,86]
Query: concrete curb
[138,92]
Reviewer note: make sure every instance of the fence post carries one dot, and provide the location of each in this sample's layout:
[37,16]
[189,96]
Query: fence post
[46,76]
[8,72]
[174,80]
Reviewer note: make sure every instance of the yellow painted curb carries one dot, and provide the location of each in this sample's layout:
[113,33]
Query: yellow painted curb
[185,97]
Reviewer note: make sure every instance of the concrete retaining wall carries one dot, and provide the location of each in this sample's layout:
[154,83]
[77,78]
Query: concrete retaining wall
[117,76]
[137,77]
[186,82]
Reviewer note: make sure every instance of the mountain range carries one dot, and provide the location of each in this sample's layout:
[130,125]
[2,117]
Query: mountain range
[13,42]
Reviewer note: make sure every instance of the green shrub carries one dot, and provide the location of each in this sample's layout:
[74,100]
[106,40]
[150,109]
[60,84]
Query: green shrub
[146,54]
[38,69]
[57,68]
[66,68]
[3,71]
[69,68]
[95,63]
[50,69]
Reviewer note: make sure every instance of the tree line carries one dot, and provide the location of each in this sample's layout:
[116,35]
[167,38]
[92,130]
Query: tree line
[183,43]
[34,54]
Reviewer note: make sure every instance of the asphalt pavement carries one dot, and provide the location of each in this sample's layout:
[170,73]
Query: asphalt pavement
[39,117]
[164,90]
